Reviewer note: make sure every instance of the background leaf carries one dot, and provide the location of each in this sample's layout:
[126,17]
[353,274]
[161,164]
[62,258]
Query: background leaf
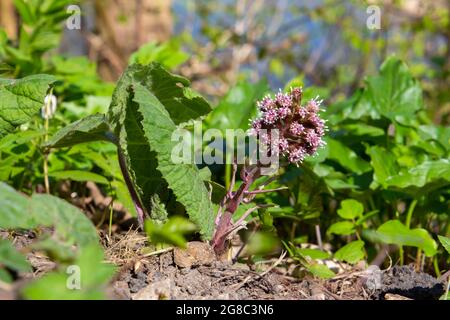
[350,209]
[351,252]
[10,258]
[395,232]
[394,92]
[94,275]
[445,241]
[91,128]
[21,99]
[78,175]
[342,228]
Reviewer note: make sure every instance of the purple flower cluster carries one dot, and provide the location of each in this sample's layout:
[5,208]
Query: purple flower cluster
[300,128]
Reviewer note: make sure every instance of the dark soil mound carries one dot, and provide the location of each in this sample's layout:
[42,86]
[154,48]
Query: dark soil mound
[405,281]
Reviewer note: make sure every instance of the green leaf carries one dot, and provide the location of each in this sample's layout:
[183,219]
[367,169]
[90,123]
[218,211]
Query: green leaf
[19,137]
[205,174]
[383,163]
[350,209]
[178,100]
[445,241]
[394,232]
[94,271]
[368,215]
[21,99]
[351,252]
[321,271]
[341,228]
[12,259]
[172,232]
[14,209]
[437,133]
[362,129]
[91,128]
[39,289]
[237,107]
[5,276]
[71,225]
[183,179]
[93,274]
[394,92]
[25,12]
[159,212]
[55,249]
[313,253]
[173,92]
[20,212]
[263,243]
[169,54]
[78,175]
[423,178]
[346,157]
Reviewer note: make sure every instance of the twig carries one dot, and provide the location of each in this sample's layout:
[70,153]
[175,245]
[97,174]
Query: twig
[260,276]
[319,237]
[154,253]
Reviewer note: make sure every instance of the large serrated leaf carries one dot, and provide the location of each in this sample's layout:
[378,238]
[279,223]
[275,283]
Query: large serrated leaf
[21,99]
[181,102]
[184,179]
[178,100]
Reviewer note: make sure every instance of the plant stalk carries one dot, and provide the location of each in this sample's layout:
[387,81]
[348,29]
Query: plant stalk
[140,210]
[411,208]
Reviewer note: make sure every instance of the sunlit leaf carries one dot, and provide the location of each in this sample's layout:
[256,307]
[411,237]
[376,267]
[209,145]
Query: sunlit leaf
[394,232]
[350,209]
[351,252]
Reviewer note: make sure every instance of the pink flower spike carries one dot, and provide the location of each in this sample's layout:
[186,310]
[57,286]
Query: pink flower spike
[296,93]
[266,103]
[284,112]
[283,99]
[313,105]
[300,127]
[270,116]
[296,128]
[283,144]
[296,155]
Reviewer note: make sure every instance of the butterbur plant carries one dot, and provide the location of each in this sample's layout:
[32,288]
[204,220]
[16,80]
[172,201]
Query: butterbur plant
[284,128]
[148,105]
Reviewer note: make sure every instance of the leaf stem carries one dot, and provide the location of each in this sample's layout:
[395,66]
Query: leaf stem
[436,267]
[227,174]
[401,253]
[47,112]
[111,206]
[411,208]
[134,195]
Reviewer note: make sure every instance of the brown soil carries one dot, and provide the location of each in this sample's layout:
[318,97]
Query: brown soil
[195,275]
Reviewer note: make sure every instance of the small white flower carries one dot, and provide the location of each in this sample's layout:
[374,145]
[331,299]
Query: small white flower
[49,107]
